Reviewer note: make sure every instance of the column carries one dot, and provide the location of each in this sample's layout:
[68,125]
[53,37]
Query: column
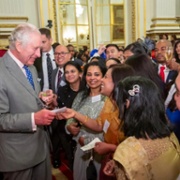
[164,18]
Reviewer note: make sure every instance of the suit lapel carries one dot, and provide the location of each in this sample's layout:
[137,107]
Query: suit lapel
[17,73]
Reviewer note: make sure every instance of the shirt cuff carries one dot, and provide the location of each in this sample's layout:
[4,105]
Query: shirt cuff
[34,127]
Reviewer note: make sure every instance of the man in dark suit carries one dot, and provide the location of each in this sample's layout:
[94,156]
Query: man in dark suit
[24,152]
[62,56]
[42,65]
[168,76]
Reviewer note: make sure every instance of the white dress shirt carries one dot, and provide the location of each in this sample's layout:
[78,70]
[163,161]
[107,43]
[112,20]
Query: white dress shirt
[166,71]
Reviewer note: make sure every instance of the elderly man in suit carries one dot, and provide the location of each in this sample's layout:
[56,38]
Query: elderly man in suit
[24,152]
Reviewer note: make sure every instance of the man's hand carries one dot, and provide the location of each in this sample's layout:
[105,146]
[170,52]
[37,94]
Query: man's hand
[44,117]
[73,129]
[101,49]
[173,65]
[47,96]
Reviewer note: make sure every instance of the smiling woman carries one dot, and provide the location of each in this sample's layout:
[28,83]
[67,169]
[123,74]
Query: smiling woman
[65,97]
[89,102]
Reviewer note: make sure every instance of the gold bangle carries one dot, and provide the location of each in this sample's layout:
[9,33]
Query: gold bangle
[86,119]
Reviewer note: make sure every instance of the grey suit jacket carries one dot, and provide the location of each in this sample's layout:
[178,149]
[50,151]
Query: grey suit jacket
[20,147]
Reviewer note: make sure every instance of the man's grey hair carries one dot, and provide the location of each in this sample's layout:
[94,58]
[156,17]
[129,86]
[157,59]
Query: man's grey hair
[22,34]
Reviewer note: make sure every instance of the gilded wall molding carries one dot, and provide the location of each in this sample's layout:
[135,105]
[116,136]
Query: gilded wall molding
[164,25]
[13,18]
[145,12]
[8,26]
[138,18]
[163,19]
[53,16]
[41,13]
[133,15]
[162,31]
[55,21]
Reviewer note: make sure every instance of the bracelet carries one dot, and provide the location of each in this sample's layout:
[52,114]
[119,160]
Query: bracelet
[85,120]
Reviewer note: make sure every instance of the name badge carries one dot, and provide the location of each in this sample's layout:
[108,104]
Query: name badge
[96,98]
[38,80]
[106,126]
[62,83]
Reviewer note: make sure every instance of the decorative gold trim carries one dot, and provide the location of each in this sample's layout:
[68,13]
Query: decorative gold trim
[49,8]
[52,14]
[13,18]
[125,34]
[163,19]
[133,15]
[4,36]
[164,25]
[163,30]
[1,32]
[55,21]
[8,25]
[177,18]
[145,4]
[41,13]
[115,22]
[138,18]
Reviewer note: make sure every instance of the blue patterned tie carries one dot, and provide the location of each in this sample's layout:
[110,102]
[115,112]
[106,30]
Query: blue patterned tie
[29,75]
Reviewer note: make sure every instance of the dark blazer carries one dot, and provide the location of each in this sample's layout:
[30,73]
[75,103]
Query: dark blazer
[54,73]
[170,80]
[39,68]
[38,65]
[171,76]
[20,148]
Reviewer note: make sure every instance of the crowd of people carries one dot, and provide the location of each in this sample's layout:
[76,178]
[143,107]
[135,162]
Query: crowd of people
[124,98]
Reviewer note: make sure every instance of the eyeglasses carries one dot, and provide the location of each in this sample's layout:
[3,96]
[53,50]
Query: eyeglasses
[61,53]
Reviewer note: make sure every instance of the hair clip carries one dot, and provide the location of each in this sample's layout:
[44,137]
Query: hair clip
[135,90]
